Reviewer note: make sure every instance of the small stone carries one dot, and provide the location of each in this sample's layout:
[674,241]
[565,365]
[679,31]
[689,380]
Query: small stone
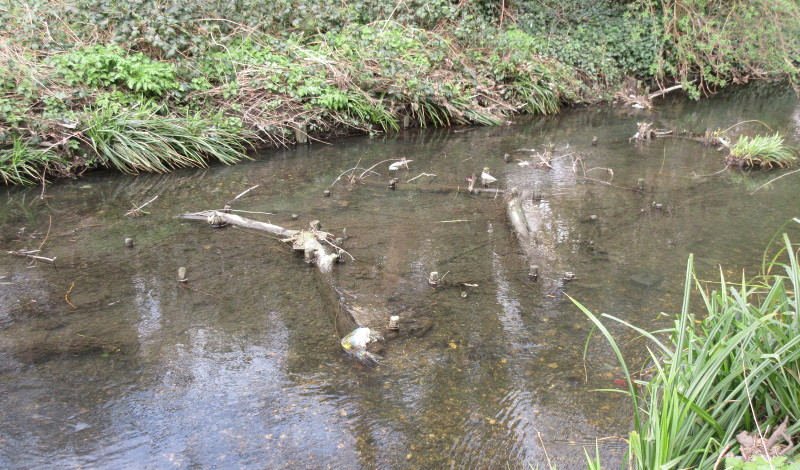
[129,242]
[394,322]
[569,276]
[534,272]
[182,274]
[640,183]
[326,193]
[658,206]
[506,158]
[594,141]
[593,217]
[295,216]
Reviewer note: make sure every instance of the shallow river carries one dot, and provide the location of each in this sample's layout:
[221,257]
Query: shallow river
[107,362]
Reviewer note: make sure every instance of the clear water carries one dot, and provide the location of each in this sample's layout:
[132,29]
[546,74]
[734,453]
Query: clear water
[107,362]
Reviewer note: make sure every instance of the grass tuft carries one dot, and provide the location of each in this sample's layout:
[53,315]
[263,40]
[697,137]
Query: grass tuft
[734,368]
[140,140]
[22,165]
[761,152]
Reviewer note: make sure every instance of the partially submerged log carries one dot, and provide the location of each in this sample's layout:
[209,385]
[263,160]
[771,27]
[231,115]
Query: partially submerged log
[517,217]
[434,188]
[317,246]
[646,132]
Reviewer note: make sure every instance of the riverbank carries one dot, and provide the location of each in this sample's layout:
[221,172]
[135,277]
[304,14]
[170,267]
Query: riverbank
[144,87]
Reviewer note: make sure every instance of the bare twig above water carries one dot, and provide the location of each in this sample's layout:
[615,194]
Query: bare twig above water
[774,179]
[49,225]
[136,211]
[252,212]
[663,92]
[420,175]
[361,176]
[243,193]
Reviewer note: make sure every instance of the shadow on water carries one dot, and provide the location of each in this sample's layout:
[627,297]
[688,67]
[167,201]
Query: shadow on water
[106,361]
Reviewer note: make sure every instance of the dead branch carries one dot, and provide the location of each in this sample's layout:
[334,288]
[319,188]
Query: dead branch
[317,246]
[243,193]
[136,211]
[30,254]
[420,175]
[361,176]
[663,92]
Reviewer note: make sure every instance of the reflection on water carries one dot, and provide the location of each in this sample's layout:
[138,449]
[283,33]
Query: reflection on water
[106,361]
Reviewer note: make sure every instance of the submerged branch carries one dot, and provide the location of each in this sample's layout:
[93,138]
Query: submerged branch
[30,254]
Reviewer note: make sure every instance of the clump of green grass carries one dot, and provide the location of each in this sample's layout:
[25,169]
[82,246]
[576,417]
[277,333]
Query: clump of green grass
[139,139]
[734,368]
[22,165]
[761,152]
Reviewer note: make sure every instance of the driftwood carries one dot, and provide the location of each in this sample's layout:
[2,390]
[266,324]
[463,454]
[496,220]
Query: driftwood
[317,246]
[432,188]
[517,217]
[647,132]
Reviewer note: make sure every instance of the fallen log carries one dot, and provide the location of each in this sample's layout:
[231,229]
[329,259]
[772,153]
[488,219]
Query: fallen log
[433,188]
[317,246]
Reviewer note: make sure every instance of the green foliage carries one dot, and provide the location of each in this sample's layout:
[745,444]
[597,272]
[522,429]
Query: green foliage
[367,64]
[761,152]
[139,139]
[22,165]
[603,40]
[101,66]
[710,43]
[778,463]
[717,374]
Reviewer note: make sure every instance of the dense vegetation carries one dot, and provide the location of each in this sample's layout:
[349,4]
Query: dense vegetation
[141,85]
[729,364]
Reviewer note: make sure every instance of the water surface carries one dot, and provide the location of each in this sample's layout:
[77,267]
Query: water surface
[107,362]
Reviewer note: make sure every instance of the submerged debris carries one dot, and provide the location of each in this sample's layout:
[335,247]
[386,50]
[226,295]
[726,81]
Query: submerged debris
[402,163]
[358,342]
[486,178]
[646,131]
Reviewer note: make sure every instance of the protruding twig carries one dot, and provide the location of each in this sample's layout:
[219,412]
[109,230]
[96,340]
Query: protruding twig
[66,296]
[243,193]
[421,174]
[136,210]
[361,176]
[664,91]
[252,212]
